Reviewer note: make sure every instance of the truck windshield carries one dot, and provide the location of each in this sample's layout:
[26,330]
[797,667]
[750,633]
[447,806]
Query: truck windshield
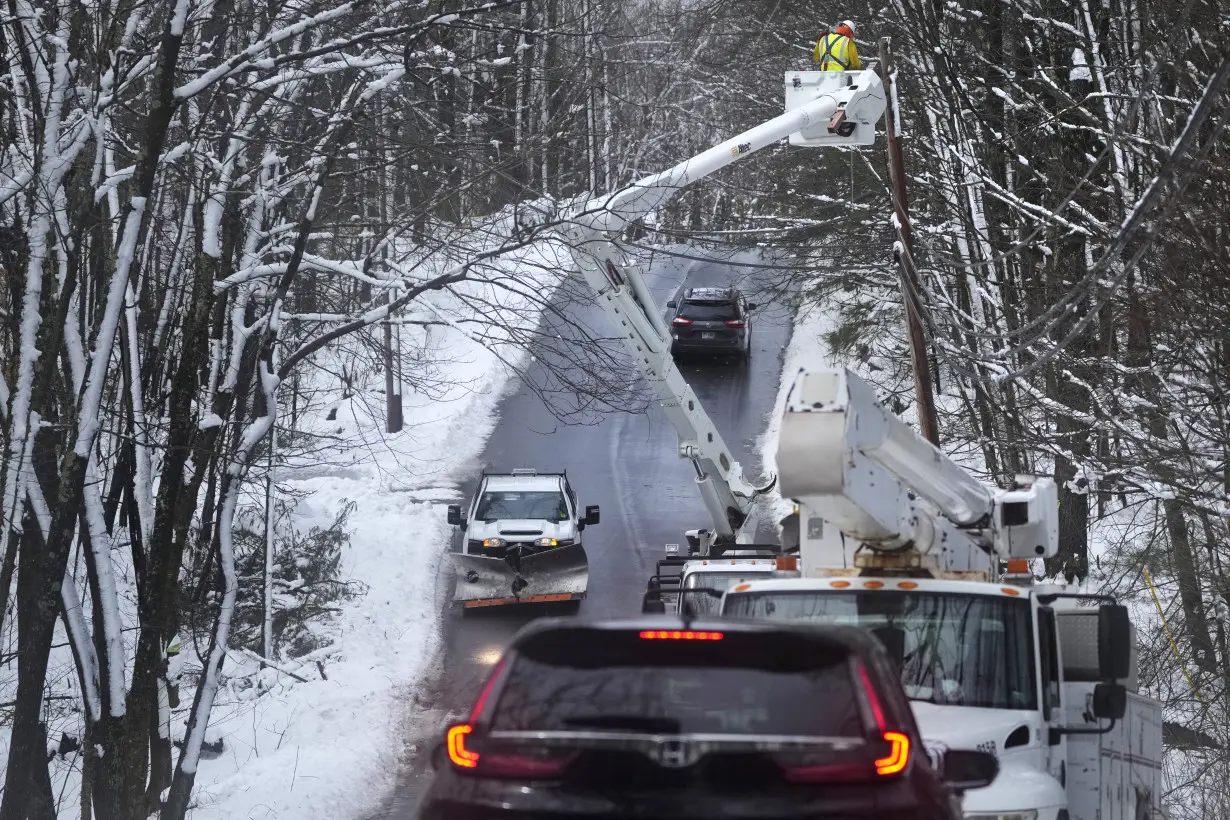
[720,580]
[954,649]
[506,505]
[700,603]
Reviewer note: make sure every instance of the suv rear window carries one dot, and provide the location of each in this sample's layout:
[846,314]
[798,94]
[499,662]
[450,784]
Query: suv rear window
[757,683]
[709,311]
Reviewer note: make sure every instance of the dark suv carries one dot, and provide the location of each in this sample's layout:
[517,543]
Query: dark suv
[660,718]
[711,320]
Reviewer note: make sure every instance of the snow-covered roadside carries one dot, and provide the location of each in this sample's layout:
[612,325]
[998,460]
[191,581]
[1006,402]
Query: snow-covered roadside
[807,348]
[328,747]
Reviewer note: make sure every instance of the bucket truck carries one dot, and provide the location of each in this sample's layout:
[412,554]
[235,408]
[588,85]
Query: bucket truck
[823,109]
[895,537]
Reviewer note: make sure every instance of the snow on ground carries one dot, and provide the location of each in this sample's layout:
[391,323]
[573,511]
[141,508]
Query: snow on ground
[329,748]
[807,349]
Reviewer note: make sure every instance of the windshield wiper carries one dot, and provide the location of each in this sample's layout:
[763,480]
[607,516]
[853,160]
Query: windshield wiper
[634,723]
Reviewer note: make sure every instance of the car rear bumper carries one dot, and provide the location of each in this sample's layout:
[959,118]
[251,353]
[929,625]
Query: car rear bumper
[447,810]
[733,343]
[459,798]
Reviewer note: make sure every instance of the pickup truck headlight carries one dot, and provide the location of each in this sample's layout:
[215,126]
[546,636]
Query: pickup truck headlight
[493,542]
[1028,814]
[554,542]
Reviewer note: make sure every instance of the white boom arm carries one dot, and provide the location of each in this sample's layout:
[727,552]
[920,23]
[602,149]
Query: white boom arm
[849,461]
[851,105]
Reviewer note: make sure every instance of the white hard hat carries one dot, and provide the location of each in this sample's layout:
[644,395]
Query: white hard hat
[848,24]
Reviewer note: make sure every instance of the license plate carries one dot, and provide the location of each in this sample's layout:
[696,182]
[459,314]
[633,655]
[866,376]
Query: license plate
[708,335]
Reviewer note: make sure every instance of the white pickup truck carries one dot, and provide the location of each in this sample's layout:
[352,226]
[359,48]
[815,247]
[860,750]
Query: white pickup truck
[522,541]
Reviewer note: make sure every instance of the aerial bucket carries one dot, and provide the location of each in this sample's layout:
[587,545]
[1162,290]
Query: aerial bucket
[855,124]
[559,574]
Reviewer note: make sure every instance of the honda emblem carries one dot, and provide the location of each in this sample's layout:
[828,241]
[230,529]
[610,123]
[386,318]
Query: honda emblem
[674,754]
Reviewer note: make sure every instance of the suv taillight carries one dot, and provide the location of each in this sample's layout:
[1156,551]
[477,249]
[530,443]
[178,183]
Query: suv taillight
[736,323]
[828,769]
[535,763]
[679,321]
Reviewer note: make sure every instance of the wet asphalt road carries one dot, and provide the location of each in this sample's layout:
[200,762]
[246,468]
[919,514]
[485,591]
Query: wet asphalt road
[628,465]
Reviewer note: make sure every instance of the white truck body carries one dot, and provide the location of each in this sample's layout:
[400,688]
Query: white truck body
[974,668]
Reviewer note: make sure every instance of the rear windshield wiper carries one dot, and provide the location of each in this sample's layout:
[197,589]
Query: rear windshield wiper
[634,723]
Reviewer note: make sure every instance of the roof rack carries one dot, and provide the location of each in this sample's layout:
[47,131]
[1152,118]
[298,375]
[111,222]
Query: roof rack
[709,294]
[522,471]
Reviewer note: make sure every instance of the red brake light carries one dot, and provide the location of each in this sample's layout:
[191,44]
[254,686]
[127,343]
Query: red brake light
[457,751]
[827,773]
[872,698]
[897,757]
[535,764]
[680,635]
[679,321]
[738,323]
[477,711]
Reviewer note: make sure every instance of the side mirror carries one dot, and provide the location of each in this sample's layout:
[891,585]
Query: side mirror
[965,769]
[591,515]
[1114,642]
[672,304]
[454,516]
[751,305]
[1109,701]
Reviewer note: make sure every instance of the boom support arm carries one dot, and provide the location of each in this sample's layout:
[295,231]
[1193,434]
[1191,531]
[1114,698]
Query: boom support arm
[849,461]
[593,232]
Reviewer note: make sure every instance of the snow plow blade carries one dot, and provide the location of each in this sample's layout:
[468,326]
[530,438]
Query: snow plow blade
[560,574]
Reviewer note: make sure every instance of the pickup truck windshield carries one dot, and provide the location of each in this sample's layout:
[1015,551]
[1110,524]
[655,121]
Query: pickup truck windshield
[954,649]
[507,505]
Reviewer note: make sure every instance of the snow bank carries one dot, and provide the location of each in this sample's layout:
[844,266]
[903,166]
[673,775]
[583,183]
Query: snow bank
[807,349]
[329,747]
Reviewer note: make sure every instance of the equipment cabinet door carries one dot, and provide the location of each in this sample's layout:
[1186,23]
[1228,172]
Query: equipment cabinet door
[1050,667]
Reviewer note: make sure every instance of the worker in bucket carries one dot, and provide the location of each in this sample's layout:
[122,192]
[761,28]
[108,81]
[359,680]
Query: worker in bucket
[835,50]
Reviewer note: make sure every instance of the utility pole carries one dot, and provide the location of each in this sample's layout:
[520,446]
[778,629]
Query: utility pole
[904,253]
[270,542]
[392,372]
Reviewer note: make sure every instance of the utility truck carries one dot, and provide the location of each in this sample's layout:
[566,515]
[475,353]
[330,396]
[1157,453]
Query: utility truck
[897,538]
[824,109]
[694,586]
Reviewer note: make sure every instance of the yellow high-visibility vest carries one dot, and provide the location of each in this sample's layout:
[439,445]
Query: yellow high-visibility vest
[836,52]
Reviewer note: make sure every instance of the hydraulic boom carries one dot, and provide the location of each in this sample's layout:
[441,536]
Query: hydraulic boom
[849,462]
[833,108]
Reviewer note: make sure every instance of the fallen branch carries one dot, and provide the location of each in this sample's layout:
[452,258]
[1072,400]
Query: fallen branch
[273,665]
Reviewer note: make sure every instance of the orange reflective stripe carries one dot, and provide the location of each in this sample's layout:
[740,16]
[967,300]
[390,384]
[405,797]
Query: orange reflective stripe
[533,599]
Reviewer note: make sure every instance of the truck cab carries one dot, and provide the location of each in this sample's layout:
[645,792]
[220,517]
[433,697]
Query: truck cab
[1027,673]
[694,586]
